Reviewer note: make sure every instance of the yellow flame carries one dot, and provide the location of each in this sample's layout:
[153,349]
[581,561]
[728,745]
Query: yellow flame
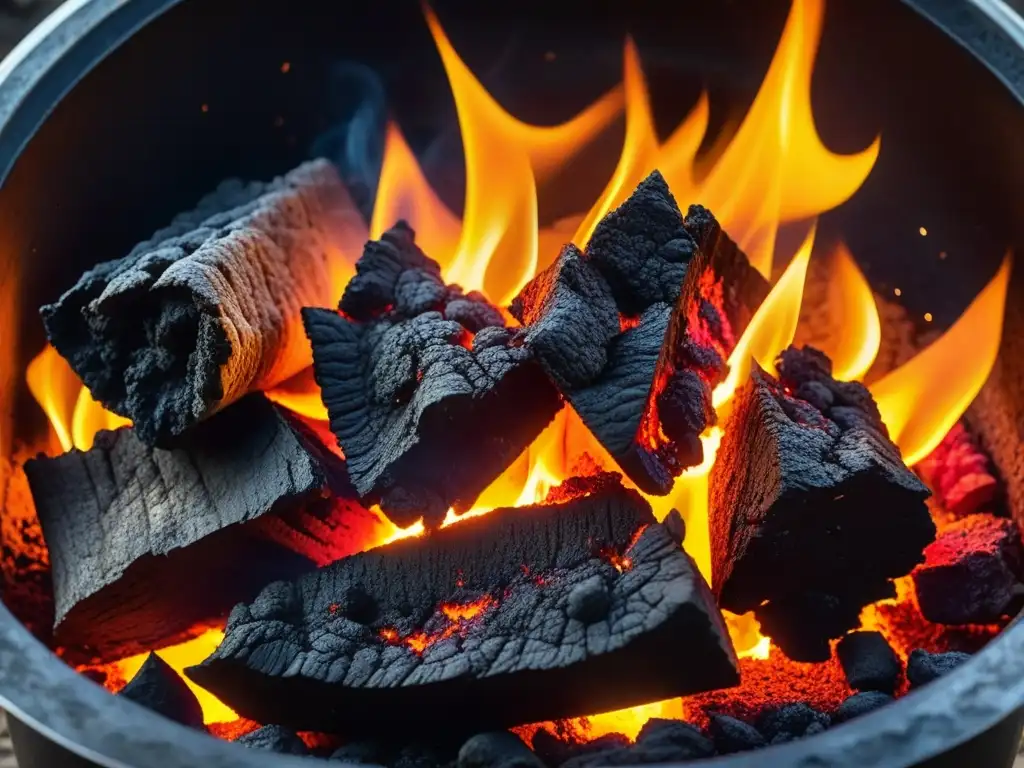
[89,418]
[772,328]
[858,333]
[776,168]
[55,387]
[922,399]
[183,655]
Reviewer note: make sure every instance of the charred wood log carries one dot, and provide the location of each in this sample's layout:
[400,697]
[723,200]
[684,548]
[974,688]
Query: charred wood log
[146,542]
[207,310]
[972,573]
[520,615]
[636,331]
[812,511]
[427,393]
[158,687]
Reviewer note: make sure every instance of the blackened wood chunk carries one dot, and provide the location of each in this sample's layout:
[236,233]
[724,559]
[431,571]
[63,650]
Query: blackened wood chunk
[477,613]
[207,310]
[812,510]
[146,542]
[429,396]
[158,687]
[972,572]
[274,738]
[636,331]
[869,662]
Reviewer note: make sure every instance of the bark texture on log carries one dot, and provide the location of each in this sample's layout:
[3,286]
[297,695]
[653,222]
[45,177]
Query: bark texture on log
[520,615]
[428,394]
[207,310]
[812,510]
[636,331]
[131,529]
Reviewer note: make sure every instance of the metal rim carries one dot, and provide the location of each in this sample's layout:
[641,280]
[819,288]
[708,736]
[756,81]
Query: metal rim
[65,707]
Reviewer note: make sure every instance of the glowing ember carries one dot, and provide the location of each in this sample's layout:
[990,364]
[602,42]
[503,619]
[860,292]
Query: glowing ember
[458,617]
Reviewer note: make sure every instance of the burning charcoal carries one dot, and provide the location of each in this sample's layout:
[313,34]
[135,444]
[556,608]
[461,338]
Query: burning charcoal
[158,687]
[274,738]
[870,664]
[923,667]
[500,749]
[145,543]
[971,573]
[660,741]
[732,735]
[860,704]
[473,611]
[555,751]
[792,721]
[636,331]
[819,486]
[208,309]
[958,473]
[429,401]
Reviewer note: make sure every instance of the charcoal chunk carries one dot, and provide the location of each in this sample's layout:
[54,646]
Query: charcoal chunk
[430,402]
[860,704]
[158,687]
[555,751]
[461,619]
[660,741]
[207,310]
[924,667]
[274,738]
[635,332]
[361,753]
[791,720]
[972,572]
[499,749]
[825,489]
[732,735]
[130,570]
[869,662]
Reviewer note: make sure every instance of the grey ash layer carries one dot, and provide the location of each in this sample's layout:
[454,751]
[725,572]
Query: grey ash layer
[806,474]
[427,392]
[206,310]
[565,632]
[129,568]
[649,266]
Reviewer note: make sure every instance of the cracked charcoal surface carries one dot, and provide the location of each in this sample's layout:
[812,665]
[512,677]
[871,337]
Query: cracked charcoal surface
[972,572]
[429,398]
[806,473]
[129,569]
[298,656]
[207,310]
[274,738]
[635,332]
[159,688]
[869,662]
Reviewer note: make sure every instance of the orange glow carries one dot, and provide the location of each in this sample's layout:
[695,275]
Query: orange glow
[458,616]
[854,349]
[745,632]
[74,416]
[300,394]
[922,399]
[775,169]
[183,655]
[404,193]
[771,328]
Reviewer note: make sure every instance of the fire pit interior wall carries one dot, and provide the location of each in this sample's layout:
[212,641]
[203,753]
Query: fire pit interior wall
[262,86]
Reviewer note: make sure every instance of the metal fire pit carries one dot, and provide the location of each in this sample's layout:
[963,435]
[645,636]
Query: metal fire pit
[102,139]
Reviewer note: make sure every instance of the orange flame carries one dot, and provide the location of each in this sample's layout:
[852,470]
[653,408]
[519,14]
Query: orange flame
[772,327]
[74,416]
[183,655]
[855,347]
[921,400]
[776,169]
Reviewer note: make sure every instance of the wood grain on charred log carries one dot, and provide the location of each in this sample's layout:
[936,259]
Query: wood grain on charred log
[812,510]
[427,393]
[521,615]
[207,310]
[145,542]
[636,331]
